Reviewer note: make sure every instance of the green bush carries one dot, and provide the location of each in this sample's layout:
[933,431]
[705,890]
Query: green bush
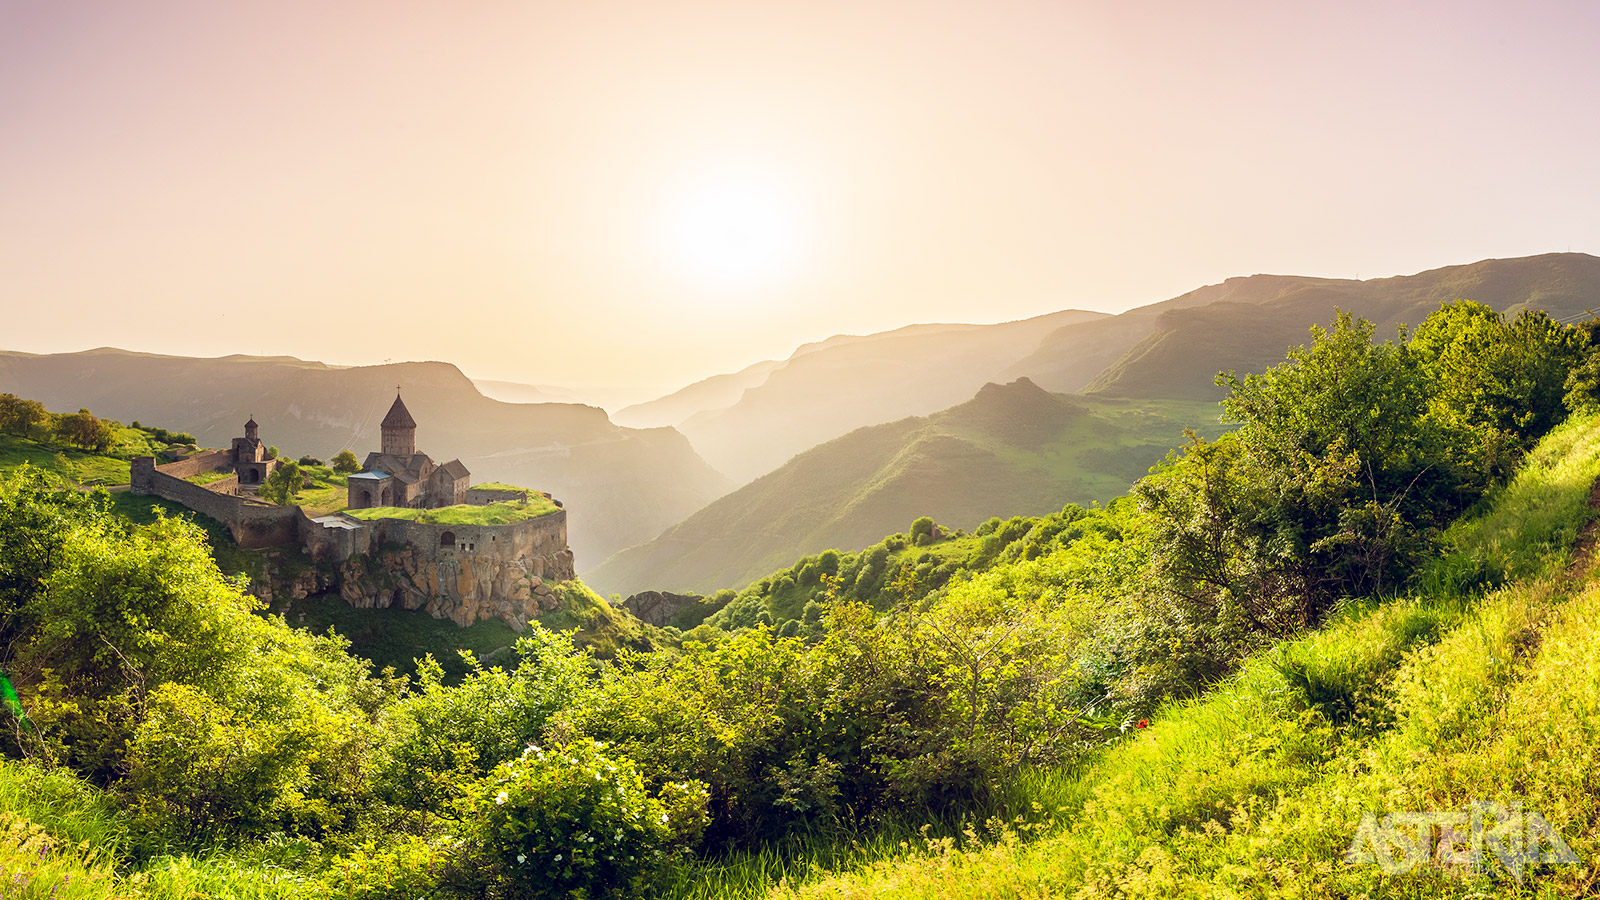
[576,821]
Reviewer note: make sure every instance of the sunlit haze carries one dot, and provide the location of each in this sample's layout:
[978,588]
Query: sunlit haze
[639,195]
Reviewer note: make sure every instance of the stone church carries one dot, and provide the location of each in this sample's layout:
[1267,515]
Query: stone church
[249,458]
[397,475]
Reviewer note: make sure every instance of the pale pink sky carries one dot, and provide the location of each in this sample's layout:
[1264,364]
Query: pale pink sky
[492,183]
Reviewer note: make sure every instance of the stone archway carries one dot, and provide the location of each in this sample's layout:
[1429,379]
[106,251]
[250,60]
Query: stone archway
[448,539]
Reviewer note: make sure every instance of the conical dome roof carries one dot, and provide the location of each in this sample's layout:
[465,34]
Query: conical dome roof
[398,417]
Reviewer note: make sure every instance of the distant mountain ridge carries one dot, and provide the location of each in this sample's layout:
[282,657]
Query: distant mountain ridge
[1244,323]
[1171,349]
[621,485]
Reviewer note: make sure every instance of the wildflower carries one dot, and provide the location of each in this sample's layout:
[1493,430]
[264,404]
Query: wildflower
[558,857]
[502,797]
[521,858]
[1144,723]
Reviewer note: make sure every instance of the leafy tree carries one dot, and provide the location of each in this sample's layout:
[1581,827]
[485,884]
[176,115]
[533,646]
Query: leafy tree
[1494,377]
[284,484]
[1329,487]
[21,417]
[82,429]
[441,739]
[39,516]
[344,462]
[147,672]
[922,531]
[309,461]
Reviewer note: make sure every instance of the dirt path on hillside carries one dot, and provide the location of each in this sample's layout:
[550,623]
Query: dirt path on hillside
[1583,553]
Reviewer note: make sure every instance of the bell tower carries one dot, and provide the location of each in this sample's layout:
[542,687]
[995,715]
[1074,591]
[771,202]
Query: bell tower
[399,430]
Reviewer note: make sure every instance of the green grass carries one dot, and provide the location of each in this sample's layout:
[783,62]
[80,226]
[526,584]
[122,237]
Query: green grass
[62,839]
[500,486]
[327,495]
[74,465]
[131,442]
[1530,527]
[503,513]
[205,478]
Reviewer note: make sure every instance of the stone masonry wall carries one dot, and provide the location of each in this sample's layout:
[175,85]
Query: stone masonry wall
[484,497]
[215,461]
[252,523]
[461,572]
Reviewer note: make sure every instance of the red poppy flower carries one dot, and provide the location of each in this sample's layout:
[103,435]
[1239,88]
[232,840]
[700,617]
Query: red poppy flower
[1144,723]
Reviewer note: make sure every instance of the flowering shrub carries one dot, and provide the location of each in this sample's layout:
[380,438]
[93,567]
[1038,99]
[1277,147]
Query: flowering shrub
[574,821]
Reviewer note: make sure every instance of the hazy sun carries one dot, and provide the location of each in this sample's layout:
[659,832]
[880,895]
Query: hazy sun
[734,229]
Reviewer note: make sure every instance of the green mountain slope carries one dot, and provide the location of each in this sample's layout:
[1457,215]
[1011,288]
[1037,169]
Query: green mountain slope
[826,390]
[623,485]
[1010,450]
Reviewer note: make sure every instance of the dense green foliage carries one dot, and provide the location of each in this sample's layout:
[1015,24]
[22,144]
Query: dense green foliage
[1274,601]
[1424,702]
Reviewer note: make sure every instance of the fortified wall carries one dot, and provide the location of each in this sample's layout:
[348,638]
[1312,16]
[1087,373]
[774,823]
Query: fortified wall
[254,524]
[459,572]
[463,573]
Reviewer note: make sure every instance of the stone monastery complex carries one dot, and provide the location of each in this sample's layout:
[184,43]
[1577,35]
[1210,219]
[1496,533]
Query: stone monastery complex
[460,572]
[398,475]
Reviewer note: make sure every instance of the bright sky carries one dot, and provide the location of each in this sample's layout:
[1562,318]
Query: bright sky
[649,192]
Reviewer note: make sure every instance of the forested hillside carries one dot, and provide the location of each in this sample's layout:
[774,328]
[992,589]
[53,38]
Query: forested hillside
[1345,605]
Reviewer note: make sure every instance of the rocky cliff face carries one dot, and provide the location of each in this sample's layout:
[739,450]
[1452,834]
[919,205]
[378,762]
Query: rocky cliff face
[461,589]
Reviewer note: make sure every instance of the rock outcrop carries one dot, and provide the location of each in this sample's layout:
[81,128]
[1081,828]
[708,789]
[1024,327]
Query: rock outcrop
[461,589]
[658,607]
